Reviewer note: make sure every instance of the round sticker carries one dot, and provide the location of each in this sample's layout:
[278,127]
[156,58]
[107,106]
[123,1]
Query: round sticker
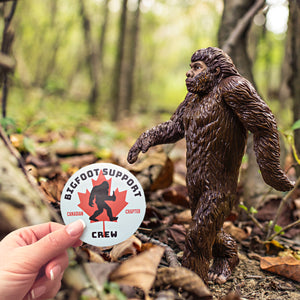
[108,198]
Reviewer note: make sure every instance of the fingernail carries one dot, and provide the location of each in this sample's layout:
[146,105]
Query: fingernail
[55,272]
[37,292]
[73,229]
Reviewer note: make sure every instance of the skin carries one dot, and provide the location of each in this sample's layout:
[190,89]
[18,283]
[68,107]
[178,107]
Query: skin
[33,259]
[219,109]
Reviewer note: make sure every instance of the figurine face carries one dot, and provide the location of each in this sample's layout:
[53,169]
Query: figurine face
[199,78]
[196,68]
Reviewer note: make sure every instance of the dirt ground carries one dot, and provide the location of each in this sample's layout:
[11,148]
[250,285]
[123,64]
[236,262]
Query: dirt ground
[253,283]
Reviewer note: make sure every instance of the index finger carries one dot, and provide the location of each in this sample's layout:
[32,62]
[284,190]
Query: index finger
[41,230]
[54,243]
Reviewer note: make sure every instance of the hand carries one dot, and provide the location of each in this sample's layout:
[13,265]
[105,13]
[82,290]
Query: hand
[133,153]
[33,259]
[143,143]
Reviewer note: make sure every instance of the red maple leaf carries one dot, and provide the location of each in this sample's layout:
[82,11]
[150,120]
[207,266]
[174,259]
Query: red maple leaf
[116,206]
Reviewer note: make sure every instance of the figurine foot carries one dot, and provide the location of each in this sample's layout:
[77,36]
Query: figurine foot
[222,269]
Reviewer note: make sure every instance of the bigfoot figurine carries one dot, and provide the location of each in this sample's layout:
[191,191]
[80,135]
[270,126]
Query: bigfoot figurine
[218,110]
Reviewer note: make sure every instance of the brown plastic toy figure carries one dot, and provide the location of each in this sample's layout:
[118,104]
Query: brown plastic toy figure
[218,110]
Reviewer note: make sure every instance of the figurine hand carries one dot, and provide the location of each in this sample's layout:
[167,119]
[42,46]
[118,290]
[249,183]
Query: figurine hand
[91,204]
[34,258]
[133,154]
[114,196]
[143,143]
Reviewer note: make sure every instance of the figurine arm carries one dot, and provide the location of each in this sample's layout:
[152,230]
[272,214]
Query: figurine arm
[164,133]
[257,117]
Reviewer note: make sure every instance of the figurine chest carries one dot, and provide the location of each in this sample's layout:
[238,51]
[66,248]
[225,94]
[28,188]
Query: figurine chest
[206,112]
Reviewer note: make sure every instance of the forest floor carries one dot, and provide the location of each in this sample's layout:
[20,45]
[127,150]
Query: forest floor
[54,158]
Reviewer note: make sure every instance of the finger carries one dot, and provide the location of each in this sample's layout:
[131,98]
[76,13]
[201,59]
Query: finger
[54,243]
[42,230]
[132,157]
[56,266]
[31,234]
[44,288]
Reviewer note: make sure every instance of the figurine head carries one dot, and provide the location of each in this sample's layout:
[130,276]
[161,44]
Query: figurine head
[208,67]
[217,61]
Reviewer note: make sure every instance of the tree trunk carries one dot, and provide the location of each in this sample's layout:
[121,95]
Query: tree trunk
[20,202]
[7,40]
[116,84]
[103,34]
[294,81]
[92,60]
[233,16]
[133,46]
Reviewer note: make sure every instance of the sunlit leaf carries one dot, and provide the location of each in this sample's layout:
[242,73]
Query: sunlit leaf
[296,125]
[242,206]
[29,145]
[253,210]
[277,228]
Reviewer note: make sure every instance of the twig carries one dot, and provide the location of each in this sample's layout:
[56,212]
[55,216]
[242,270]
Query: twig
[255,221]
[283,201]
[241,26]
[283,229]
[170,254]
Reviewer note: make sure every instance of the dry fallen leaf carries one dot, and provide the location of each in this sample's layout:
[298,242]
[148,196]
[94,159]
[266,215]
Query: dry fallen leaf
[129,246]
[178,233]
[284,266]
[154,171]
[92,255]
[238,233]
[180,277]
[140,270]
[183,217]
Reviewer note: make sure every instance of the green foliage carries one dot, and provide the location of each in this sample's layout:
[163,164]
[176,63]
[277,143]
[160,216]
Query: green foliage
[113,289]
[277,228]
[28,144]
[296,125]
[9,125]
[289,135]
[253,210]
[242,206]
[52,81]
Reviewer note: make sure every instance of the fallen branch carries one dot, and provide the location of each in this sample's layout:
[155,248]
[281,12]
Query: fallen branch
[170,254]
[241,26]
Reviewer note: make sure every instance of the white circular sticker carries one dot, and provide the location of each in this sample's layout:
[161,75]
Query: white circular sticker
[108,198]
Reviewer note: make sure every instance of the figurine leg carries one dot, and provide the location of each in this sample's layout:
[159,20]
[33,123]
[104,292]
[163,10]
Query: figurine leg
[225,258]
[207,221]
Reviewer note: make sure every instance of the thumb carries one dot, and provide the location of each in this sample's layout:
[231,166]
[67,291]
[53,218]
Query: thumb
[54,243]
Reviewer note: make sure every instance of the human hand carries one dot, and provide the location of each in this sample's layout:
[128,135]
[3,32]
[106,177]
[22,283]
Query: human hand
[33,259]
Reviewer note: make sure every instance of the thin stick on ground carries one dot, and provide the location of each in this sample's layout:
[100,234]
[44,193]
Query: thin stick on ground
[283,229]
[170,254]
[283,201]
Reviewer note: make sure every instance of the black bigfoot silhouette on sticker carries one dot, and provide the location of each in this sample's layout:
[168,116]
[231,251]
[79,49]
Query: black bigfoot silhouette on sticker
[100,192]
